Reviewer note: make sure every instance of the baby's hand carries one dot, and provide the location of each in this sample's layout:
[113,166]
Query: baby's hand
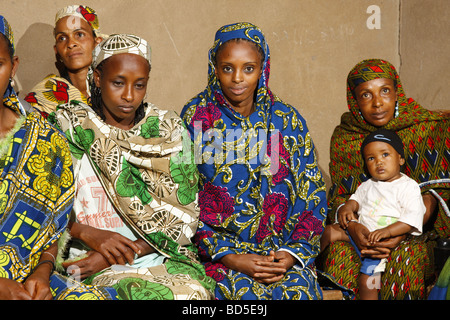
[379,234]
[345,216]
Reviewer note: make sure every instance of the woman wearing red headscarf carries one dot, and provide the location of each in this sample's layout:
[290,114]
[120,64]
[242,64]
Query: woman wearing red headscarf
[376,99]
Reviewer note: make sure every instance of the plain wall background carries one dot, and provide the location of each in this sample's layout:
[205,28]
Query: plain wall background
[313,44]
[425,51]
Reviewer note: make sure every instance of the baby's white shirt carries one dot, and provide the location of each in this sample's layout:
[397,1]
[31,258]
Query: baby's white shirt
[384,203]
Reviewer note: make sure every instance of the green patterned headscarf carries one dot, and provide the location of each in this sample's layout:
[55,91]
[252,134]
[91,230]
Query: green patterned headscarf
[369,70]
[372,69]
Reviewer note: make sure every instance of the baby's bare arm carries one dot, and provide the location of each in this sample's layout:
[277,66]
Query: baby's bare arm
[396,229]
[347,213]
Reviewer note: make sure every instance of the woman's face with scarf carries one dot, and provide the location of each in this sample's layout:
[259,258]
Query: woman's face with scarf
[376,100]
[74,42]
[238,68]
[8,66]
[123,82]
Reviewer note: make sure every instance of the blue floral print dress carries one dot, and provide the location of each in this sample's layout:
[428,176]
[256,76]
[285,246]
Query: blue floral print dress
[261,188]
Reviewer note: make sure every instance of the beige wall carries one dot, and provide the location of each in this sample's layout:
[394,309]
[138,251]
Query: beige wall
[425,51]
[313,43]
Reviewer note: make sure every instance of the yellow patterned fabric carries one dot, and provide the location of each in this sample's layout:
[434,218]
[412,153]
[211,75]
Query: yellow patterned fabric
[51,92]
[36,192]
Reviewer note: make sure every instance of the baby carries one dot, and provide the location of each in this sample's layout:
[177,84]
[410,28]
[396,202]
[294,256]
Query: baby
[388,205]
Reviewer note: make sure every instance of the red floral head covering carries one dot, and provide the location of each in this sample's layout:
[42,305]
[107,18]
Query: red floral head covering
[84,12]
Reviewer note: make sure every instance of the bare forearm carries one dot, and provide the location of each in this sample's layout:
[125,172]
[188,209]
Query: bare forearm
[353,206]
[76,229]
[47,260]
[398,228]
[430,203]
[144,247]
[347,213]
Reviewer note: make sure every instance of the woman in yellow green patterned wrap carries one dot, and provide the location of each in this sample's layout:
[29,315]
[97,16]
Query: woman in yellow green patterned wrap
[136,207]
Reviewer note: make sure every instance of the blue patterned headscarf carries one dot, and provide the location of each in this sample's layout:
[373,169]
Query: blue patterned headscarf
[10,98]
[250,32]
[6,30]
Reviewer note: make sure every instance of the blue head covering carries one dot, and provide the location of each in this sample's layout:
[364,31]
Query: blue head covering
[250,32]
[6,30]
[10,98]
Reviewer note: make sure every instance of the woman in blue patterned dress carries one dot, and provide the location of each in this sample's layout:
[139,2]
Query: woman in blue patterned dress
[262,198]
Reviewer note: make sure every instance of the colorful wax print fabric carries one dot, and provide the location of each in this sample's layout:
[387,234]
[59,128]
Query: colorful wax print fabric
[172,280]
[51,92]
[426,139]
[6,30]
[84,12]
[150,178]
[261,188]
[36,192]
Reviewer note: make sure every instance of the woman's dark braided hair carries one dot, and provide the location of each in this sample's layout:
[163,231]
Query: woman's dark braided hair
[97,104]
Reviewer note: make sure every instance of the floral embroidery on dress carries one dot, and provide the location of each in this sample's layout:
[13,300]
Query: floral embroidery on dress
[275,209]
[216,204]
[207,116]
[278,169]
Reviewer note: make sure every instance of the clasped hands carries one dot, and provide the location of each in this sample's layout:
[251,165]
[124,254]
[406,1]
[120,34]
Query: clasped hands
[263,269]
[377,244]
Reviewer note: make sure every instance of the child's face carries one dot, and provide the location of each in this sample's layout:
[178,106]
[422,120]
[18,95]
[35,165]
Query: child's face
[376,100]
[382,161]
[74,42]
[123,83]
[238,68]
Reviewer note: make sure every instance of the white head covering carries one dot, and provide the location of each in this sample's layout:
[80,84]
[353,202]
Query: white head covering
[84,12]
[120,43]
